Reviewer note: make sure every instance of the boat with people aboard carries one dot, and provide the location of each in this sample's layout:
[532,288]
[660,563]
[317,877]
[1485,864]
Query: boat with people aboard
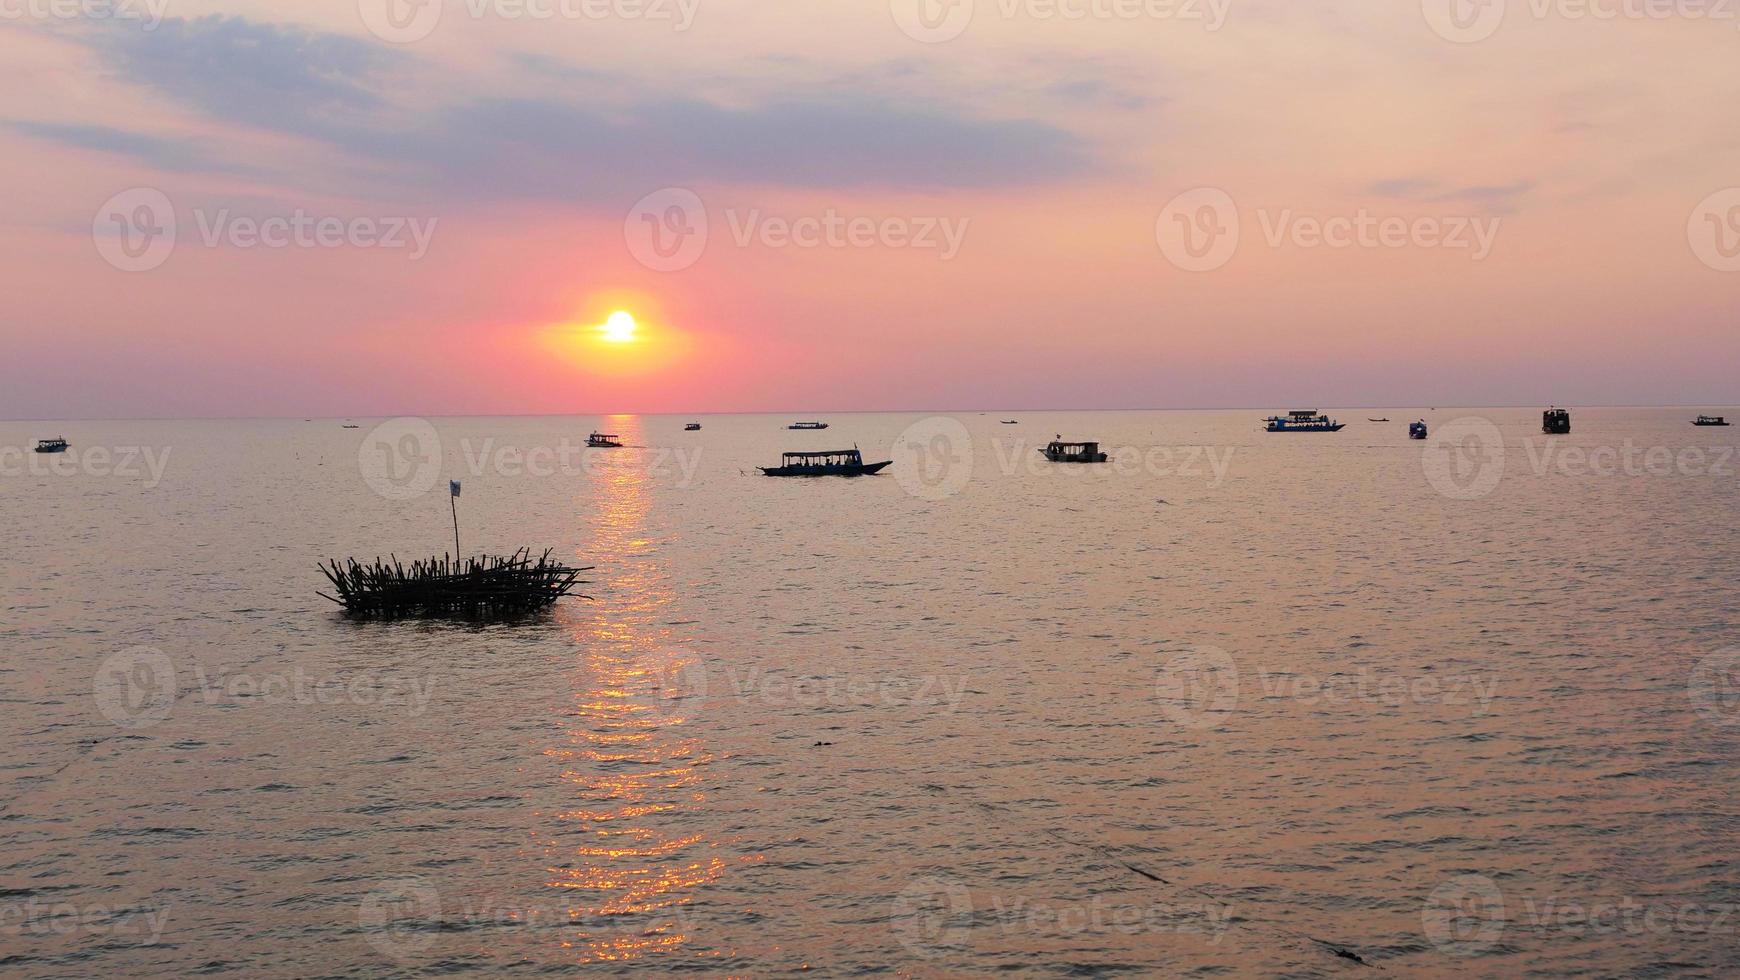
[1073,452]
[56,445]
[604,440]
[1417,430]
[1555,422]
[830,462]
[692,427]
[1711,420]
[808,425]
[1303,420]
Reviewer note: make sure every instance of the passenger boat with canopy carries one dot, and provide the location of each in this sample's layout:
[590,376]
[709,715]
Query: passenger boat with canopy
[1303,420]
[1073,452]
[831,462]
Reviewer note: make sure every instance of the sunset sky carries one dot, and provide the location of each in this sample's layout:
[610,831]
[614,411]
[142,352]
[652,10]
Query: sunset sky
[961,206]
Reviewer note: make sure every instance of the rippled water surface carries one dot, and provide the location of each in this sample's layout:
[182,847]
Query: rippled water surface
[1237,703]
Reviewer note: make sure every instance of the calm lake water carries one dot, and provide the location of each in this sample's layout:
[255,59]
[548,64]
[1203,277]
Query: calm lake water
[1225,706]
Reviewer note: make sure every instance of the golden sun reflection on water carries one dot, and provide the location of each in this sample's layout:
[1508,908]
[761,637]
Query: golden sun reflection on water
[631,757]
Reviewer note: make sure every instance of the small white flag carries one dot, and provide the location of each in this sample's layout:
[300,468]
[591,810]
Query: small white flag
[453,487]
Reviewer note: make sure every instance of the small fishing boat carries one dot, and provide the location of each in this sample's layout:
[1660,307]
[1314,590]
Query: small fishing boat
[1710,420]
[51,445]
[692,427]
[832,462]
[1073,452]
[604,440]
[1555,422]
[1303,420]
[1377,420]
[1417,430]
[1010,422]
[348,425]
[808,425]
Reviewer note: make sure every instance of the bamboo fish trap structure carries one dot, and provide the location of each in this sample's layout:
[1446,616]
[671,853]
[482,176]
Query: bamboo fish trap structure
[474,588]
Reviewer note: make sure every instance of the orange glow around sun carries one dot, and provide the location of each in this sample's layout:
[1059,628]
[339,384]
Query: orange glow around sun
[606,338]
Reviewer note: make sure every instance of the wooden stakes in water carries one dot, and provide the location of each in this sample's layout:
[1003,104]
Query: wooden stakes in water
[473,588]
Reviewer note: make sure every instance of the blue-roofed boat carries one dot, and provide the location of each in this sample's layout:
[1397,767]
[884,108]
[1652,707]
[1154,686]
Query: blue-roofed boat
[1303,420]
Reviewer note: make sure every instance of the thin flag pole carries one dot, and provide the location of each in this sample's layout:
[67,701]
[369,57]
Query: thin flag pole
[453,503]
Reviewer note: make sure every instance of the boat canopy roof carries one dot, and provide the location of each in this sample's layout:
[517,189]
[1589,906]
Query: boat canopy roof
[1058,444]
[822,455]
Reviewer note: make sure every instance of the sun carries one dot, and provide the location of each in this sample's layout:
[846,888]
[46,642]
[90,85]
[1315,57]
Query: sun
[619,328]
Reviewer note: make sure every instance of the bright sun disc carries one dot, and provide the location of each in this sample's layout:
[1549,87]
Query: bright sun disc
[619,328]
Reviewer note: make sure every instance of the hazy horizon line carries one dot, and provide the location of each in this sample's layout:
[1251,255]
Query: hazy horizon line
[810,413]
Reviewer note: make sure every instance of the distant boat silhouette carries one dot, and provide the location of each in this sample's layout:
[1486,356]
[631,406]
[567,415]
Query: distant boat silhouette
[604,440]
[51,445]
[1710,420]
[1010,422]
[1555,422]
[808,425]
[692,427]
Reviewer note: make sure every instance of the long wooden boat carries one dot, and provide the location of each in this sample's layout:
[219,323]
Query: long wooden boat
[1303,420]
[832,462]
[1059,451]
